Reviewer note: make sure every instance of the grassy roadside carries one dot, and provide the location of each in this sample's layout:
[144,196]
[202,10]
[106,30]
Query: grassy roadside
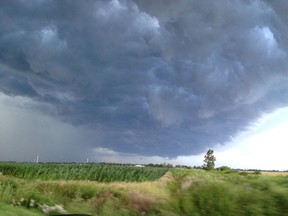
[230,193]
[8,210]
[86,197]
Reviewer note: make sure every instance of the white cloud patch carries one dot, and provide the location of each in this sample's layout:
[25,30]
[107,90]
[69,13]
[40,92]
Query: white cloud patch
[264,146]
[101,154]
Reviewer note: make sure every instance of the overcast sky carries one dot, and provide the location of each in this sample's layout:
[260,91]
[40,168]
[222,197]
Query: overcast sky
[144,81]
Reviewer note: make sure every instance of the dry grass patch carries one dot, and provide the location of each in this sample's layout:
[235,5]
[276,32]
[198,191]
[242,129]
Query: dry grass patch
[275,173]
[157,189]
[140,202]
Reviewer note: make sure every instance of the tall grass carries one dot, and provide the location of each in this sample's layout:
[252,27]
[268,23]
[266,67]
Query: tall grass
[229,193]
[93,172]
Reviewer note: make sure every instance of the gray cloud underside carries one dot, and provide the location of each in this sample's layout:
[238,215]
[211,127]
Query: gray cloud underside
[158,77]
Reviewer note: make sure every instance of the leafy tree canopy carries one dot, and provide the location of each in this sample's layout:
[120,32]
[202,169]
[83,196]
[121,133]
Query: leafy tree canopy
[209,160]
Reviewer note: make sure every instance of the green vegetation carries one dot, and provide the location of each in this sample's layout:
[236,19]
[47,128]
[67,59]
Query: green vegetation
[181,191]
[228,192]
[92,172]
[209,160]
[8,210]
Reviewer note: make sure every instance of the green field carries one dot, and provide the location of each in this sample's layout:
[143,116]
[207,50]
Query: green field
[91,172]
[169,192]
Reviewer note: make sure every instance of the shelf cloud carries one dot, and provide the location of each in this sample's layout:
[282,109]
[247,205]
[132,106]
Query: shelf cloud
[154,78]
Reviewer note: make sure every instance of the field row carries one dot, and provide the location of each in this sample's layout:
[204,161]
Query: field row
[92,172]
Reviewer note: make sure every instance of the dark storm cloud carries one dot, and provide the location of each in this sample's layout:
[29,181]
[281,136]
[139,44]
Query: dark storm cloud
[158,77]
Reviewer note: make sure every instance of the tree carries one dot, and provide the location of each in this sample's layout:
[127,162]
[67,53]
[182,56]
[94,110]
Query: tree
[209,160]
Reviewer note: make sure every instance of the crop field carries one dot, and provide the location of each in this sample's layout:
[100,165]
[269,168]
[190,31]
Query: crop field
[34,189]
[92,172]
